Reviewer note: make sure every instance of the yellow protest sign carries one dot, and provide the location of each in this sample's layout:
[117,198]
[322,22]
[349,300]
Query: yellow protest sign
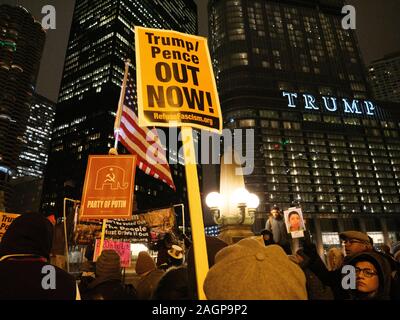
[5,220]
[175,81]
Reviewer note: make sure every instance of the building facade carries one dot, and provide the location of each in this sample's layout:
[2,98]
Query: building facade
[101,39]
[288,71]
[21,45]
[384,76]
[27,184]
[37,136]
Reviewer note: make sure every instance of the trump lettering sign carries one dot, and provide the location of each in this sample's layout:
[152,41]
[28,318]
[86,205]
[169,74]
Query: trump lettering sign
[175,81]
[108,188]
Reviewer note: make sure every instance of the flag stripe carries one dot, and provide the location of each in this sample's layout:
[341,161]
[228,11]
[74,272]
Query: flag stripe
[139,152]
[144,167]
[151,148]
[143,142]
[144,132]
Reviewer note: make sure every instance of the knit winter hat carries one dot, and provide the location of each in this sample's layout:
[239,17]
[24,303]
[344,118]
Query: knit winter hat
[108,265]
[145,263]
[28,234]
[248,270]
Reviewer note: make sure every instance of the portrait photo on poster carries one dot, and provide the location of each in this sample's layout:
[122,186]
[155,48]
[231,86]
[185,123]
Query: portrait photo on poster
[294,221]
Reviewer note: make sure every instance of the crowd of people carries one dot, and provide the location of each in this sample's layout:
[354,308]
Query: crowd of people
[261,267]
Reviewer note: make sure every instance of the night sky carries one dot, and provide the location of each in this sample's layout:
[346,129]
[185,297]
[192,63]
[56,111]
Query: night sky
[378,28]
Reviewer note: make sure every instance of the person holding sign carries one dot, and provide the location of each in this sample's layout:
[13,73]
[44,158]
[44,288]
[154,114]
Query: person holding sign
[276,225]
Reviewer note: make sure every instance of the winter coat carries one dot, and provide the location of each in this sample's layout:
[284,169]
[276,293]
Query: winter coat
[173,285]
[24,252]
[316,290]
[333,279]
[278,229]
[147,284]
[108,289]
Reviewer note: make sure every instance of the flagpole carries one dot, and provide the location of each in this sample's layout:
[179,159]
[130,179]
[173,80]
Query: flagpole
[117,122]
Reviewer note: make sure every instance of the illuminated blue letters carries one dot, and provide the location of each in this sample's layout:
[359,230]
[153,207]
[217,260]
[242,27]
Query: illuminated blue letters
[309,102]
[370,106]
[331,104]
[351,109]
[290,97]
[327,104]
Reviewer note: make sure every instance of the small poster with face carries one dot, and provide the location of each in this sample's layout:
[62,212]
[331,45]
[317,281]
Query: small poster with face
[294,222]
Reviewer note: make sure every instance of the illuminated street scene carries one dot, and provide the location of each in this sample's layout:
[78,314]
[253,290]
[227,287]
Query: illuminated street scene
[187,150]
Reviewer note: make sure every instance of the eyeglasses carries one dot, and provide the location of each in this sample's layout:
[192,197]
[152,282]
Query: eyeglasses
[351,241]
[367,272]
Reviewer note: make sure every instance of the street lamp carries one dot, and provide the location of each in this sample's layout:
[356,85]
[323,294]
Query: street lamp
[240,198]
[214,201]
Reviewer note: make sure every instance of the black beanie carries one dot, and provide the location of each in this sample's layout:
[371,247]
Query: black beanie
[28,234]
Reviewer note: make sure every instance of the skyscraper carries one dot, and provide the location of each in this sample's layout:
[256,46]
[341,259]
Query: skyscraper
[36,139]
[21,45]
[384,75]
[27,184]
[290,72]
[101,38]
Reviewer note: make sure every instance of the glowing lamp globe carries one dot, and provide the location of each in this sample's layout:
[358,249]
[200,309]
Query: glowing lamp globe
[253,201]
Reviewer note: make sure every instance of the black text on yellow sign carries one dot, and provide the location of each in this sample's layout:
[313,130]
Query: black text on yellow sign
[175,80]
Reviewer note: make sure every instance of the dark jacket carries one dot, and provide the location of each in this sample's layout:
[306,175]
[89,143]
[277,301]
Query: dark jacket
[173,285]
[108,289]
[24,251]
[316,290]
[333,279]
[21,279]
[147,284]
[279,232]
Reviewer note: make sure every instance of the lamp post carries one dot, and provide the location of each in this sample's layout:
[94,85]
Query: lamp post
[183,215]
[235,223]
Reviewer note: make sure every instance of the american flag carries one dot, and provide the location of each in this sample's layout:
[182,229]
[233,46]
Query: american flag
[141,141]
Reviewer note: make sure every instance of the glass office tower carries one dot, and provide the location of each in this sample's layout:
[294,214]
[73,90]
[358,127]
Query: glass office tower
[286,70]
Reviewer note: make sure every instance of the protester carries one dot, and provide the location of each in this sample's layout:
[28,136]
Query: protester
[213,246]
[107,284]
[373,281]
[163,245]
[149,274]
[356,242]
[25,272]
[276,225]
[316,290]
[385,248]
[173,285]
[248,270]
[268,237]
[175,256]
[396,251]
[334,259]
